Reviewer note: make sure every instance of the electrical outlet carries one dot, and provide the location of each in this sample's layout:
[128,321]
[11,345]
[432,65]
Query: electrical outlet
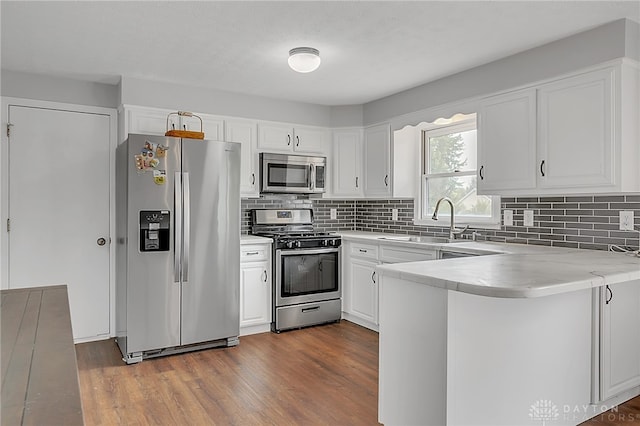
[508,218]
[334,214]
[528,218]
[626,220]
[394,214]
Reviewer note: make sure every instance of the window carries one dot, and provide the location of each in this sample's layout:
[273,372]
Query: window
[449,169]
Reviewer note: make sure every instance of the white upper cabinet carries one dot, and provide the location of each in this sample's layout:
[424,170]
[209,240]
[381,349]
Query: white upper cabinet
[147,121]
[156,121]
[576,141]
[244,132]
[347,162]
[507,132]
[311,139]
[275,137]
[212,126]
[300,139]
[377,165]
[390,164]
[573,135]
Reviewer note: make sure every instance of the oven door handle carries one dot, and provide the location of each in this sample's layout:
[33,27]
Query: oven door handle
[301,251]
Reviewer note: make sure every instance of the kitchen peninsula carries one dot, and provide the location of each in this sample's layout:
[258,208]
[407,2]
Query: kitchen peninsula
[527,335]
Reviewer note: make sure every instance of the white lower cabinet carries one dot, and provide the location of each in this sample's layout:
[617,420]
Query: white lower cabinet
[360,279]
[619,338]
[364,290]
[255,288]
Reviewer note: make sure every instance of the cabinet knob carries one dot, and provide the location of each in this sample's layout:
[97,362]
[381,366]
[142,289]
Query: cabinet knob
[481,175]
[253,178]
[373,277]
[609,296]
[288,140]
[386,180]
[542,168]
[297,140]
[265,275]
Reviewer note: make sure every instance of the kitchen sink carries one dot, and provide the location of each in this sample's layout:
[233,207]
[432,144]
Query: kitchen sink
[416,239]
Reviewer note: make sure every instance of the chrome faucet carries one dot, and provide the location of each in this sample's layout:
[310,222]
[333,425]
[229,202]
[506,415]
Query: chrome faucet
[452,229]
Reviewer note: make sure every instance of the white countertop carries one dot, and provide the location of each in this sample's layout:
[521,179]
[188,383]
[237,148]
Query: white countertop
[254,239]
[514,271]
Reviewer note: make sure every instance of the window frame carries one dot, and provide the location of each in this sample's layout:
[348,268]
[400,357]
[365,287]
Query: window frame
[421,215]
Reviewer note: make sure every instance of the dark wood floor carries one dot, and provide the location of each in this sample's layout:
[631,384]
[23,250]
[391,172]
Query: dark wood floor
[627,414]
[324,375]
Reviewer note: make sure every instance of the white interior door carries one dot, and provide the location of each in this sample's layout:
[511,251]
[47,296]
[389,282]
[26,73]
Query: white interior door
[59,196]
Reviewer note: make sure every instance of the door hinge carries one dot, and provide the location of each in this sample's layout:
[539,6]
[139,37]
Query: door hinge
[9,125]
[8,225]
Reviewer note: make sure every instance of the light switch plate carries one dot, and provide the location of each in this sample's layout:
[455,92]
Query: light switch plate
[394,214]
[334,214]
[508,218]
[528,218]
[626,220]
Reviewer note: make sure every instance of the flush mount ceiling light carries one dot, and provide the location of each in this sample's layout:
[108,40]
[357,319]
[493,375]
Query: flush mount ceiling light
[304,59]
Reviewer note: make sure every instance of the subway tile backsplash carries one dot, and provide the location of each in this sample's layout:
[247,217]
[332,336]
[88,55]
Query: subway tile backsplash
[586,222]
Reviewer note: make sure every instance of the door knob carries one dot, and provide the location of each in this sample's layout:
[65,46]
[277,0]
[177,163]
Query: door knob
[101,241]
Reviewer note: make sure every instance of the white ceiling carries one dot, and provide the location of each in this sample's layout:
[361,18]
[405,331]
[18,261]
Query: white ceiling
[369,49]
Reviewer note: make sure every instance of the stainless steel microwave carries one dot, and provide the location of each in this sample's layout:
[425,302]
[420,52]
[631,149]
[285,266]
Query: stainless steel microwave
[292,174]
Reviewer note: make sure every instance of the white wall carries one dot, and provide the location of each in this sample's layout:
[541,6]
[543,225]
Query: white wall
[346,116]
[189,98]
[633,40]
[58,89]
[610,41]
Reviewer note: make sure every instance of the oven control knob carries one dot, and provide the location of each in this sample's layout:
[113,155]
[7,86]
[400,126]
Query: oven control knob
[334,242]
[325,242]
[289,244]
[297,244]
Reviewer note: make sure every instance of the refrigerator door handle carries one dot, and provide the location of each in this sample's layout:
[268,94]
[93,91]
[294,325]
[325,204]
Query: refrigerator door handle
[177,243]
[186,227]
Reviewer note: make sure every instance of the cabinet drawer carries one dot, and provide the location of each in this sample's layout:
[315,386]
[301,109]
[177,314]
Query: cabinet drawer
[254,253]
[401,255]
[367,251]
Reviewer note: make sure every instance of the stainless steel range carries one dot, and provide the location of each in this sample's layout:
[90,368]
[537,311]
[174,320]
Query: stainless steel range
[306,268]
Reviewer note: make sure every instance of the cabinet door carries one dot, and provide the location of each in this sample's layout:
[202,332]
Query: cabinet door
[255,293]
[377,176]
[576,138]
[310,140]
[244,132]
[619,338]
[507,142]
[347,158]
[149,121]
[364,290]
[211,126]
[274,137]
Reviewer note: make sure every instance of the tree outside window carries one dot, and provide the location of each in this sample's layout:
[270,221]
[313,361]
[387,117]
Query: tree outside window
[450,170]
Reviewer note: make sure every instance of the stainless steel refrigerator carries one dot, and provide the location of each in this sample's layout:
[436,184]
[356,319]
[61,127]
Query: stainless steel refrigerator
[178,245]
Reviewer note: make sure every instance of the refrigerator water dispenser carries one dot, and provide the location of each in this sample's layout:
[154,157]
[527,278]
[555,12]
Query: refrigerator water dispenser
[155,230]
